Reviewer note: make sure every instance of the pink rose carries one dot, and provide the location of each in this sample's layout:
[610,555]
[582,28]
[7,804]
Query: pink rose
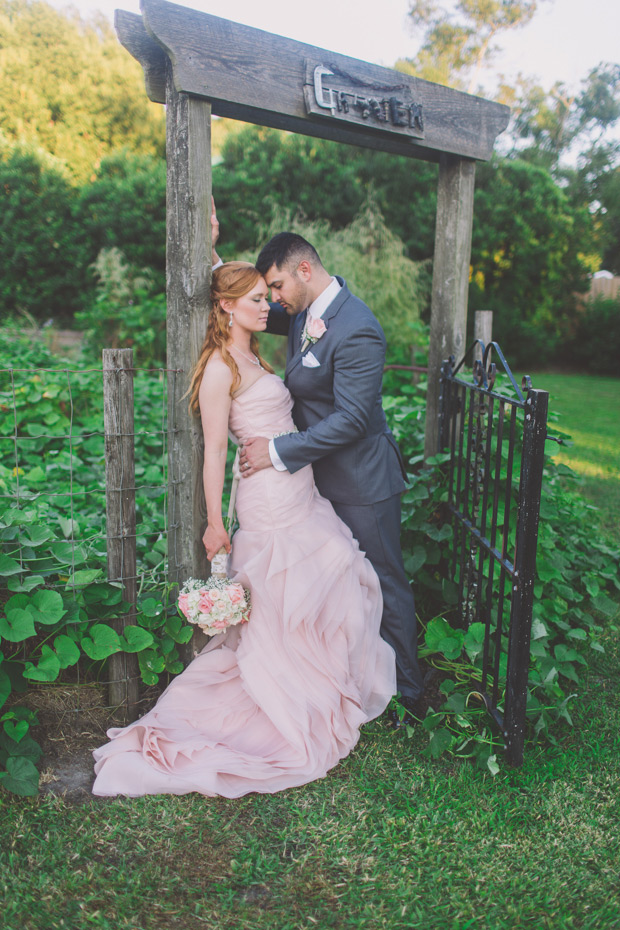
[220,624]
[184,604]
[205,603]
[235,593]
[215,595]
[315,328]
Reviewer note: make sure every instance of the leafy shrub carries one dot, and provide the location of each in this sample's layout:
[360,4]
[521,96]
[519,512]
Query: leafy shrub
[125,313]
[42,260]
[596,345]
[124,207]
[58,608]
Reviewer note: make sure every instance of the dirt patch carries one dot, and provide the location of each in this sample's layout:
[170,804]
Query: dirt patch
[73,719]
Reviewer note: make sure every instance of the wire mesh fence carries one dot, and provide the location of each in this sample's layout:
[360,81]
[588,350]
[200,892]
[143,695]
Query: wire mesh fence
[54,536]
[52,464]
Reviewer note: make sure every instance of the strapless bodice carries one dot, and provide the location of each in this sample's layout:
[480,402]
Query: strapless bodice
[269,498]
[264,409]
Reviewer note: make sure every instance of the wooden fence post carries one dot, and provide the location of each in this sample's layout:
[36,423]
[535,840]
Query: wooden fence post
[483,330]
[121,515]
[455,210]
[188,276]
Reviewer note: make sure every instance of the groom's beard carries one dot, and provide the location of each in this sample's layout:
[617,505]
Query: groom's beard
[296,300]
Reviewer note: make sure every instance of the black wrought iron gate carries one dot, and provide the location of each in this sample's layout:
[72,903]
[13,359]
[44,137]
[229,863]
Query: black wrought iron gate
[495,434]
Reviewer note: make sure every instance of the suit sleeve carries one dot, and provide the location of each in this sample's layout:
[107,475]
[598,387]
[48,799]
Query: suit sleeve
[278,321]
[358,374]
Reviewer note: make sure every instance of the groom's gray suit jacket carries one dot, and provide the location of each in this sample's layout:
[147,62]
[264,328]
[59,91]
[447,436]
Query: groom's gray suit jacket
[337,404]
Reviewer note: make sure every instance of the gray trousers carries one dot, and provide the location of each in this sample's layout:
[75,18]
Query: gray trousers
[377,529]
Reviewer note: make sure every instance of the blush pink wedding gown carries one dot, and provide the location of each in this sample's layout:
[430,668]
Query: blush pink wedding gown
[278,701]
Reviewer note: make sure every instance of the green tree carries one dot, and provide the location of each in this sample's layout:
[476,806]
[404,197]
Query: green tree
[456,43]
[572,134]
[607,192]
[41,258]
[529,256]
[124,207]
[69,87]
[547,126]
[262,170]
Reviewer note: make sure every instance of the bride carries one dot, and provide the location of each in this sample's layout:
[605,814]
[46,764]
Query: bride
[276,702]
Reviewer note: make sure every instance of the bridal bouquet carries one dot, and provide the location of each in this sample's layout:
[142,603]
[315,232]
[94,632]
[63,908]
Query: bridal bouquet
[218,603]
[215,604]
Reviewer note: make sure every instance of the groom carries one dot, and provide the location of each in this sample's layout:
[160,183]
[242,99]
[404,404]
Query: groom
[335,360]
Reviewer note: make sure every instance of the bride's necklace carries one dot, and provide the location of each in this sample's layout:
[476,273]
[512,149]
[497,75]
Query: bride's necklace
[252,358]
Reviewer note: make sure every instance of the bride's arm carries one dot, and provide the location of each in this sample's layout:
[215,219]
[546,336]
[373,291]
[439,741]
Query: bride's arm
[215,400]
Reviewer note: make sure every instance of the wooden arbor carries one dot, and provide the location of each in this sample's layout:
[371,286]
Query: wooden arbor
[199,64]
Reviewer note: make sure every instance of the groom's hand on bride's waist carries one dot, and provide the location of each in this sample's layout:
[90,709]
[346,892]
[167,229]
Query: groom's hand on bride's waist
[254,456]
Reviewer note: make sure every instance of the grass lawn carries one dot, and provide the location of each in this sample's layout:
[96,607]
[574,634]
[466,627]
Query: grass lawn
[588,407]
[388,840]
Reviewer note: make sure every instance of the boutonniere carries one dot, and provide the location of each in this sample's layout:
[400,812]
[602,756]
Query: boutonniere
[313,330]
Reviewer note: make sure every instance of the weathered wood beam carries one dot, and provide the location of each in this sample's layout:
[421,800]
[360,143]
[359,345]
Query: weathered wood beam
[455,208]
[188,275]
[262,78]
[134,37]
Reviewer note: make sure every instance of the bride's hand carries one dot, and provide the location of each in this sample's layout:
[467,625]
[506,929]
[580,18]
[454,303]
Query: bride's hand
[215,537]
[215,233]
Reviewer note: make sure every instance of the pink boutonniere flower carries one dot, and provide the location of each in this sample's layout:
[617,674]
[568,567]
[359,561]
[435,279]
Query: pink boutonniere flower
[313,331]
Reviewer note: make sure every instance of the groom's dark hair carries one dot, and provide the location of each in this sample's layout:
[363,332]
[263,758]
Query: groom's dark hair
[284,250]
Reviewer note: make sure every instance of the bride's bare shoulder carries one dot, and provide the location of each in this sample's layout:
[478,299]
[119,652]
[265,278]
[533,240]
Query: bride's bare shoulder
[217,374]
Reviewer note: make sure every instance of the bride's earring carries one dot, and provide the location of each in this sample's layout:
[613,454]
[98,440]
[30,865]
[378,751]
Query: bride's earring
[230,319]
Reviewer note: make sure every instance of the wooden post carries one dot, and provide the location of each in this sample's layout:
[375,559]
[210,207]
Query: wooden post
[121,515]
[188,274]
[455,208]
[483,330]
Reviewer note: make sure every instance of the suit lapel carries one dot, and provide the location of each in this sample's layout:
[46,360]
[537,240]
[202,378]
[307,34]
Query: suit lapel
[295,351]
[295,346]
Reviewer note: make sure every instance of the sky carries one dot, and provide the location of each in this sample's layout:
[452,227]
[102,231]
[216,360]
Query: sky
[564,41]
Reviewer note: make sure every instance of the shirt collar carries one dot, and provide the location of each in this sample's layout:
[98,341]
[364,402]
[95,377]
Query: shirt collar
[318,307]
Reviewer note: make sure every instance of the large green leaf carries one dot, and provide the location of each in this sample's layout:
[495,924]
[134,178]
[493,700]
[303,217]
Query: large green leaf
[17,626]
[46,669]
[151,607]
[9,566]
[46,607]
[415,561]
[16,730]
[102,642]
[85,576]
[21,777]
[27,748]
[441,739]
[66,650]
[135,638]
[178,630]
[16,517]
[37,535]
[474,640]
[440,637]
[29,582]
[605,605]
[67,553]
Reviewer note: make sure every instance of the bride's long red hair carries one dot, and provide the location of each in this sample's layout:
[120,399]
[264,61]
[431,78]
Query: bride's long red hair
[229,282]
